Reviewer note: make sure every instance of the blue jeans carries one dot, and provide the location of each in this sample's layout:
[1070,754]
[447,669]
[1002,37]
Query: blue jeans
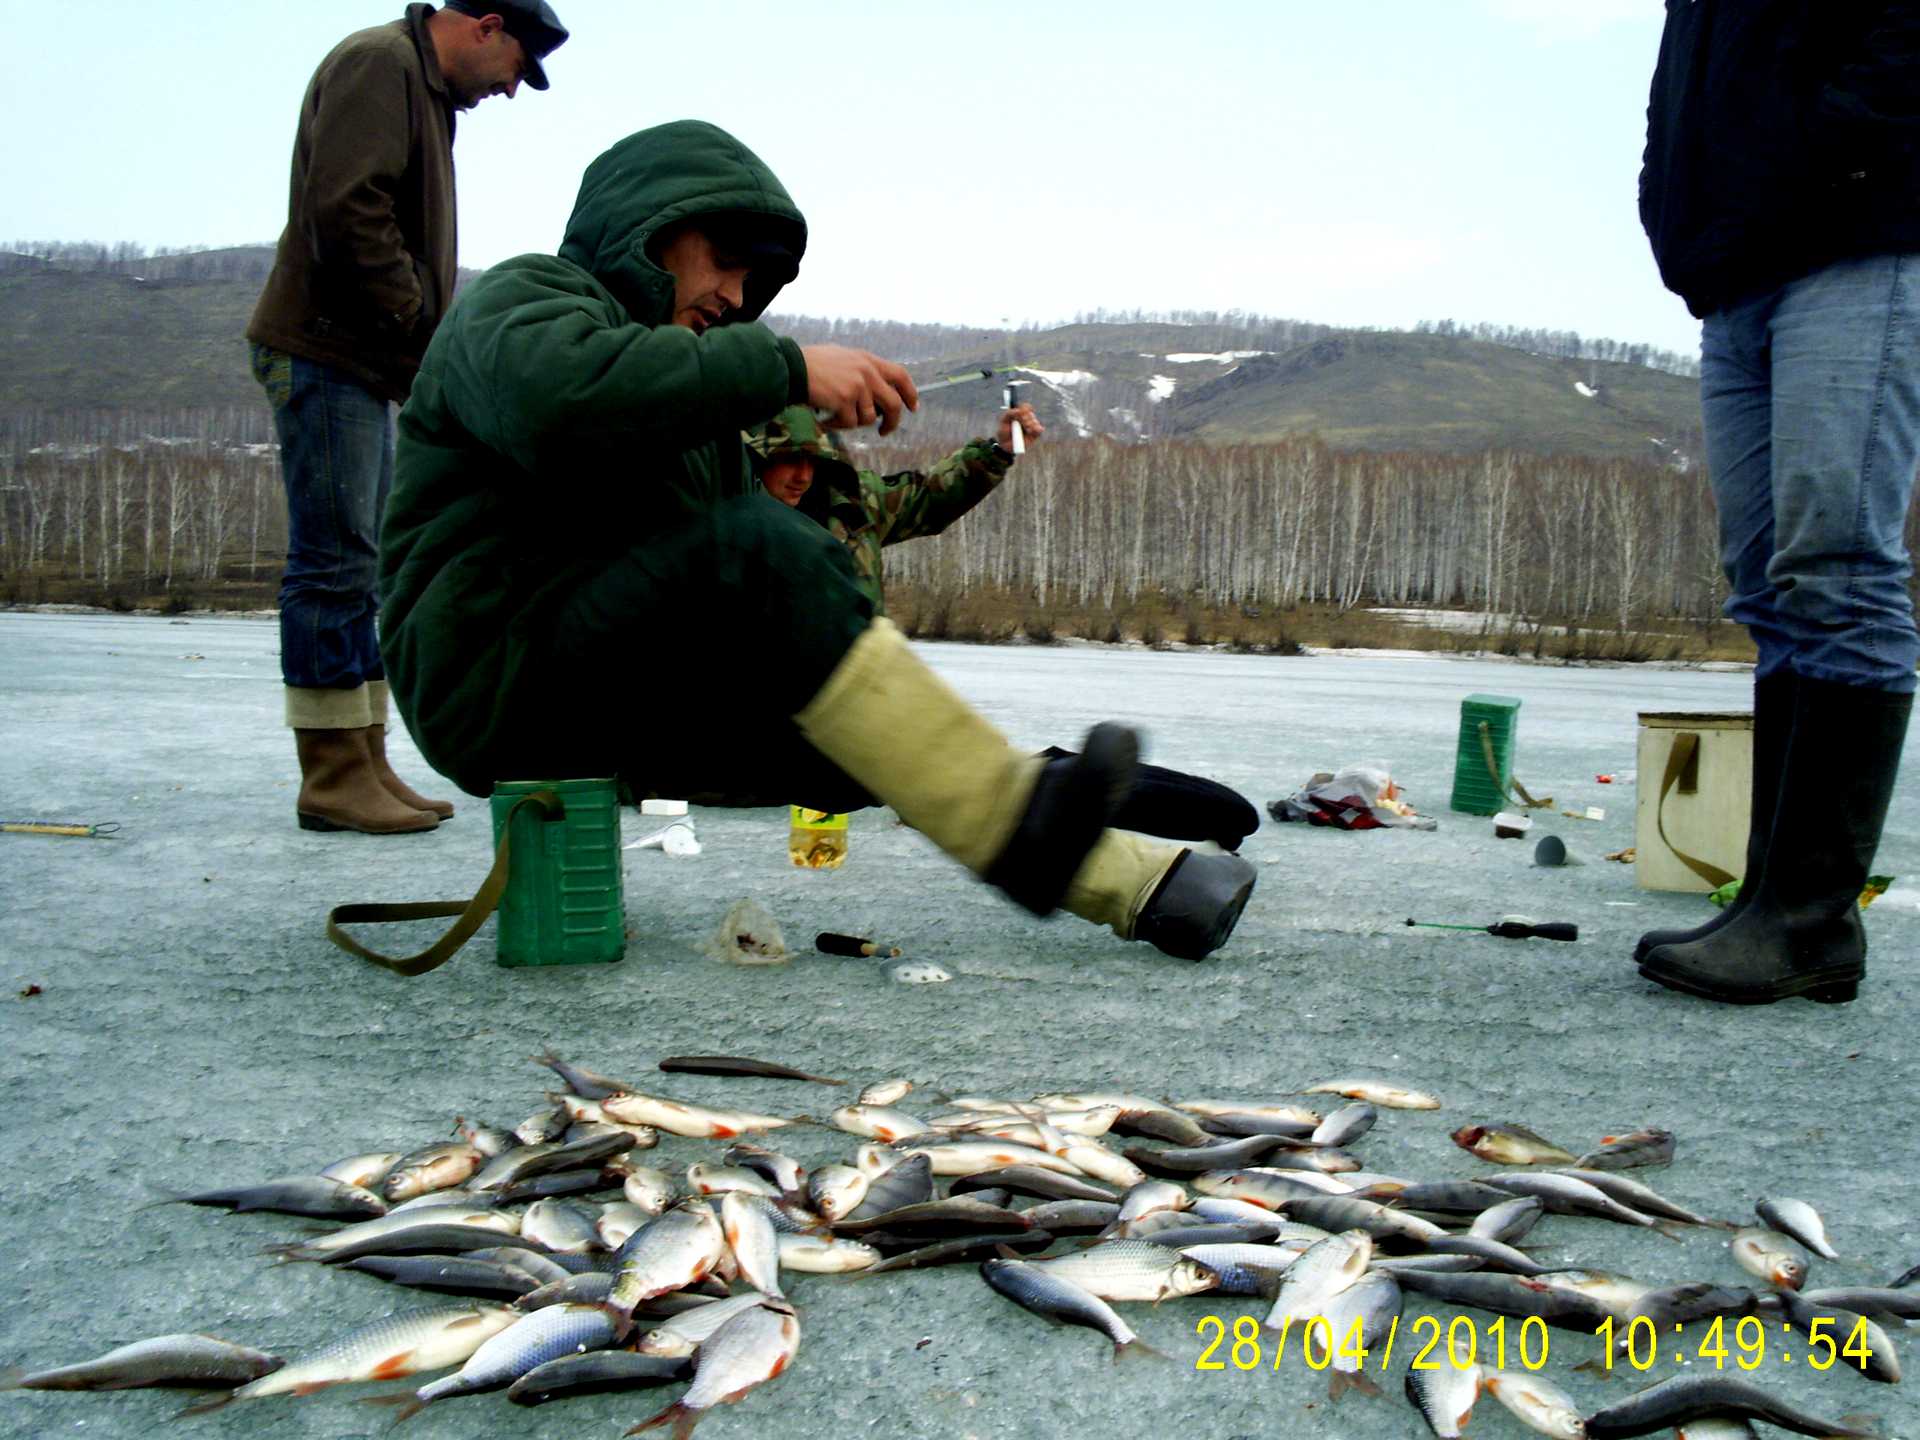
[1811,400]
[336,460]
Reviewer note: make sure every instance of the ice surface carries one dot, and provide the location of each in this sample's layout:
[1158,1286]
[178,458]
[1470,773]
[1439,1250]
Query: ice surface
[196,1028]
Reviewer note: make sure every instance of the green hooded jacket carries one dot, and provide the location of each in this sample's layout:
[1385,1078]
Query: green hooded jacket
[559,419]
[865,510]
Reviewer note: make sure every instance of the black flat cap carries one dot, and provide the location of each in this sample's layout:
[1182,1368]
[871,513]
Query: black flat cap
[531,22]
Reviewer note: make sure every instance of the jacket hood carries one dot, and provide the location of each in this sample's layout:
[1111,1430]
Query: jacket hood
[652,179]
[796,430]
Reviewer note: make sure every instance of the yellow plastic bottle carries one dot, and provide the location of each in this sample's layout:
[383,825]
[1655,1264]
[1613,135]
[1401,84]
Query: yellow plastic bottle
[816,839]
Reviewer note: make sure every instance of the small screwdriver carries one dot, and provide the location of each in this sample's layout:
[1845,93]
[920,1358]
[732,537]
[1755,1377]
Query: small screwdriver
[1513,927]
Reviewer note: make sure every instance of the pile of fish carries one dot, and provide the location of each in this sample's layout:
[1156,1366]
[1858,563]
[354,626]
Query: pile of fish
[1069,1204]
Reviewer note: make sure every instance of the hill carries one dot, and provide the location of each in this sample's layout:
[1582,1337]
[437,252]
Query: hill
[165,333]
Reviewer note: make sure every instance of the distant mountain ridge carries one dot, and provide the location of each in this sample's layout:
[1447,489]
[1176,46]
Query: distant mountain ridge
[107,330]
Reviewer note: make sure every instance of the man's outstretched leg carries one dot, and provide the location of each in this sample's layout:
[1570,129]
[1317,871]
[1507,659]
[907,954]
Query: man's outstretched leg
[1035,828]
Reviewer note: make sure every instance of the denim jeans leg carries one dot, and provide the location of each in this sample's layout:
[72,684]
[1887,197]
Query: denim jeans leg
[1846,441]
[336,460]
[1736,405]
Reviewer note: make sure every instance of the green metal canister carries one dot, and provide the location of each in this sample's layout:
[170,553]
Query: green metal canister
[1483,764]
[563,903]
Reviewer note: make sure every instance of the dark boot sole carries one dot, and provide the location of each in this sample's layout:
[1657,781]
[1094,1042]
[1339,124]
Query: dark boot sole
[310,821]
[1822,990]
[1167,919]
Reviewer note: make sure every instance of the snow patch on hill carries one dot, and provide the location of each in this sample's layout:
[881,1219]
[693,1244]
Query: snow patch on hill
[1188,357]
[1160,387]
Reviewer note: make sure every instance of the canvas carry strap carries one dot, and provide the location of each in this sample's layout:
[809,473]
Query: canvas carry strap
[1493,770]
[1683,769]
[472,913]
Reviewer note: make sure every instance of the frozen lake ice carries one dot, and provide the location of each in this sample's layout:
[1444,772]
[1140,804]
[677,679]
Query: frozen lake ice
[194,1026]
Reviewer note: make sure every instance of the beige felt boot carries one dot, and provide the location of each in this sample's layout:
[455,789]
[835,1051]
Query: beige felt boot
[1016,820]
[1183,902]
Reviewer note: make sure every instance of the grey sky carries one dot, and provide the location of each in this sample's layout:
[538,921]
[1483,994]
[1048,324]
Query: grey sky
[1366,162]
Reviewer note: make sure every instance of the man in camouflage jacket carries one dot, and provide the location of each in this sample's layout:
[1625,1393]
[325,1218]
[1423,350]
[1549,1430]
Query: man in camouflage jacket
[801,465]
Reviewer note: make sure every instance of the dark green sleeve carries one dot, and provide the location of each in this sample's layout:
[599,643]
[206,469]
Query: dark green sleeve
[539,362]
[913,503]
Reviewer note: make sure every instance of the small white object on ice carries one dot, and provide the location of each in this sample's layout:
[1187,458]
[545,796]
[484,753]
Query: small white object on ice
[918,972]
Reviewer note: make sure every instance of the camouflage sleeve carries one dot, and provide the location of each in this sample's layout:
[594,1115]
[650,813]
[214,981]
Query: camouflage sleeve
[913,503]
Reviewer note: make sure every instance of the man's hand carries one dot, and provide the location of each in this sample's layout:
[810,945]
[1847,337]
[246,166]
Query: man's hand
[855,387]
[1023,416]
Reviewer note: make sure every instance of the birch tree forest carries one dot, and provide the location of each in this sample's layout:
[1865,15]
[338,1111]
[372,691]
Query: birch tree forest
[124,508]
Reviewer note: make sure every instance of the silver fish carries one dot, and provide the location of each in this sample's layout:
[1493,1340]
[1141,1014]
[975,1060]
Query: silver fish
[559,1228]
[694,1121]
[1383,1093]
[1444,1397]
[313,1196]
[596,1370]
[825,1255]
[403,1344]
[618,1221]
[1054,1297]
[1798,1220]
[1153,1195]
[1357,1318]
[1323,1271]
[197,1360]
[705,1179]
[1633,1194]
[684,1333]
[581,1082]
[680,1247]
[755,1245]
[885,1092]
[652,1190]
[1510,1145]
[437,1167]
[784,1172]
[750,1349]
[1349,1122]
[1686,1398]
[1775,1260]
[1510,1221]
[441,1228]
[1565,1195]
[837,1190]
[1541,1405]
[1132,1270]
[1247,1269]
[1623,1152]
[531,1341]
[363,1170]
[876,1122]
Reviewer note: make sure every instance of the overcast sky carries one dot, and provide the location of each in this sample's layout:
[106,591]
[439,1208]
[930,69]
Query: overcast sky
[1353,162]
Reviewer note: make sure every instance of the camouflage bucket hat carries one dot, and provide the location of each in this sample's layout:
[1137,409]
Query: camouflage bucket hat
[794,431]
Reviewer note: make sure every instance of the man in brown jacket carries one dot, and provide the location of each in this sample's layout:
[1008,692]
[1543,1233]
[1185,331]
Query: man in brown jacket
[364,271]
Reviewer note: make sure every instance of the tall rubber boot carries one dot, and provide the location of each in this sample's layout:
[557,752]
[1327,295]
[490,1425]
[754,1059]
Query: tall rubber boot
[1772,732]
[377,702]
[339,791]
[1022,823]
[1801,934]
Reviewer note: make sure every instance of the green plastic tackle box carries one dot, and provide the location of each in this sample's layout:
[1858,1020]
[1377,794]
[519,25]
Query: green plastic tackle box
[1487,725]
[563,903]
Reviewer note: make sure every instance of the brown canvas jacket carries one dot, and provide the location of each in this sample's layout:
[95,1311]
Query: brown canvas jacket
[365,267]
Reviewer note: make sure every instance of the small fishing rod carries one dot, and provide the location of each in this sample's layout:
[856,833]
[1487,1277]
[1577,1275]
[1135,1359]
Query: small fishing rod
[1512,927]
[102,831]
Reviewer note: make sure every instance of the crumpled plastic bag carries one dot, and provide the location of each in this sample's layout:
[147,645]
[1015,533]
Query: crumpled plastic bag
[747,936]
[1359,797]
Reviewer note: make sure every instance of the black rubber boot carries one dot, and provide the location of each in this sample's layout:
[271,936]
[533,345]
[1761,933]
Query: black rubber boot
[1074,800]
[1177,806]
[1196,906]
[1772,731]
[1800,934]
